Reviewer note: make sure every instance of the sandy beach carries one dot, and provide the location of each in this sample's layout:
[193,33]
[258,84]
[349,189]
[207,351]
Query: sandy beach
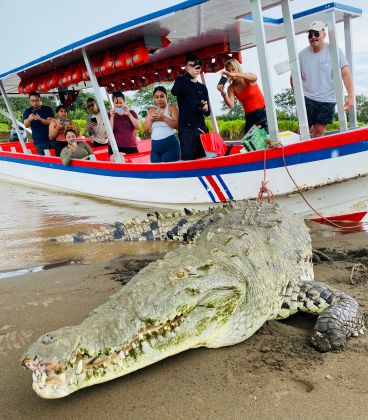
[275,374]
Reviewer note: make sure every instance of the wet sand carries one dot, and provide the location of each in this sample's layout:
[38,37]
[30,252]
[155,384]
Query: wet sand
[273,375]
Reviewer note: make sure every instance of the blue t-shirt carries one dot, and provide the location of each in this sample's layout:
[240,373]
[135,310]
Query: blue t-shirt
[40,132]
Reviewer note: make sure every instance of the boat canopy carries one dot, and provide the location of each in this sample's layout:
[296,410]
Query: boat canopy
[152,48]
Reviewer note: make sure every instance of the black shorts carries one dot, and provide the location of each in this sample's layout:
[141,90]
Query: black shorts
[190,143]
[319,112]
[258,118]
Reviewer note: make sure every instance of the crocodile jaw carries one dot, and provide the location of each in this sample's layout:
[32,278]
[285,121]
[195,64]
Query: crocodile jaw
[193,327]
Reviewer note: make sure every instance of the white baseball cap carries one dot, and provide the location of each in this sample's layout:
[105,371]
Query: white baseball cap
[317,25]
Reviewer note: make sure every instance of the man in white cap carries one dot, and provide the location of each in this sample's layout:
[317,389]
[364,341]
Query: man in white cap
[316,71]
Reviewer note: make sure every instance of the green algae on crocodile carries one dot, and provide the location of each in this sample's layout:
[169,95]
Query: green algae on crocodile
[250,263]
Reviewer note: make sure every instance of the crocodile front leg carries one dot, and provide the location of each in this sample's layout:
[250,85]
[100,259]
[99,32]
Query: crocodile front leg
[339,314]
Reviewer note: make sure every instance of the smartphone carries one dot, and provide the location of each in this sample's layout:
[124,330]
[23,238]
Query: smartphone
[118,111]
[93,120]
[73,141]
[62,121]
[223,80]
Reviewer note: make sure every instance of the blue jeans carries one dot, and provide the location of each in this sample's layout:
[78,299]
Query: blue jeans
[165,150]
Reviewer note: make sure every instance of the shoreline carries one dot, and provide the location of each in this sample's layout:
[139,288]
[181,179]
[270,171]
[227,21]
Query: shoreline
[275,374]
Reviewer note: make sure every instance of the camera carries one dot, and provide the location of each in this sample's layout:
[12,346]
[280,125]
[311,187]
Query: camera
[62,121]
[94,120]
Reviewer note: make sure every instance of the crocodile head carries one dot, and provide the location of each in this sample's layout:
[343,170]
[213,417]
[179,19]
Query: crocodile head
[214,292]
[183,315]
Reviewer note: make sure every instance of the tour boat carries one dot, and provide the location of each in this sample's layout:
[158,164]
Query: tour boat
[328,175]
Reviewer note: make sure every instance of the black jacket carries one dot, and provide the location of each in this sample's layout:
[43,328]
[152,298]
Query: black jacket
[189,96]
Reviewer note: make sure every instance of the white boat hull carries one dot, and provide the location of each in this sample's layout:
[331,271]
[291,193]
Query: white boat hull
[332,172]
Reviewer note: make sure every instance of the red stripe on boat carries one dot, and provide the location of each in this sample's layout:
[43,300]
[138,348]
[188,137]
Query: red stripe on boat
[350,217]
[216,188]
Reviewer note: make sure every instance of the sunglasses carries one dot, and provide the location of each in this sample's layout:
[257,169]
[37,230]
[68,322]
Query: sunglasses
[313,34]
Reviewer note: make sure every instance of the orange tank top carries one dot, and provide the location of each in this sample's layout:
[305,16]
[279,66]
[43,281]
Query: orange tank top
[250,97]
[60,135]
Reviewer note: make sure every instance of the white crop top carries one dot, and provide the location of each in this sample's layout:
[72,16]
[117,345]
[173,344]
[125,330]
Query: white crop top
[160,130]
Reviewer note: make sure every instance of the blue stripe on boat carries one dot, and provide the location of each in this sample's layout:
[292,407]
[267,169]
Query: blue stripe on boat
[207,189]
[295,159]
[224,186]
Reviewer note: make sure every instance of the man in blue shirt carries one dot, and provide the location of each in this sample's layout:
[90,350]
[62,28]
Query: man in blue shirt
[38,117]
[192,97]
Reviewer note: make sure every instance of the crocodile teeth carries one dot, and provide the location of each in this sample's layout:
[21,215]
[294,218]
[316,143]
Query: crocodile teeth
[43,378]
[35,375]
[79,367]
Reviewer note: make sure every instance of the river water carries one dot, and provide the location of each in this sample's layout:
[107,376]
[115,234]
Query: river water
[30,216]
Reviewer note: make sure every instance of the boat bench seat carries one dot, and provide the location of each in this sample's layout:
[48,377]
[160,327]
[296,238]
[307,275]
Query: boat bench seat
[143,157]
[214,145]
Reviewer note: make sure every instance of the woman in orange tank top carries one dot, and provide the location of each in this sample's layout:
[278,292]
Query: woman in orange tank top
[244,87]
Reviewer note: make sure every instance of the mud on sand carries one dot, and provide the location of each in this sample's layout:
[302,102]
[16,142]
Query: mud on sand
[275,374]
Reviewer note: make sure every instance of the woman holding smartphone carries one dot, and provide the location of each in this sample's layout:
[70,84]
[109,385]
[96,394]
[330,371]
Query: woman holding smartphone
[162,123]
[244,87]
[124,123]
[57,128]
[94,124]
[74,149]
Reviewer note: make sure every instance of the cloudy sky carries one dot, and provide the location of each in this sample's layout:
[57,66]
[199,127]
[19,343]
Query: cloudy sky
[46,28]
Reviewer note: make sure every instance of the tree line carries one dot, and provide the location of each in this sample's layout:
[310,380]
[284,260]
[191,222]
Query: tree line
[142,100]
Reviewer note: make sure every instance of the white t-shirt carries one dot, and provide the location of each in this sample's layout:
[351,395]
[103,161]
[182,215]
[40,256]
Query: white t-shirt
[99,130]
[316,71]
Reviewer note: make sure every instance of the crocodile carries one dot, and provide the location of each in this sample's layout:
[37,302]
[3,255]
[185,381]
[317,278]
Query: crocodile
[249,263]
[178,225]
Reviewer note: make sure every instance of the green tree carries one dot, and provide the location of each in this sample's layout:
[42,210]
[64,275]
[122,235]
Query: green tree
[362,108]
[285,103]
[142,99]
[232,114]
[20,104]
[78,109]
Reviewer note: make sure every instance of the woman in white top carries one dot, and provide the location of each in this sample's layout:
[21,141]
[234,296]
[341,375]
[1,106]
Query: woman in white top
[94,124]
[162,123]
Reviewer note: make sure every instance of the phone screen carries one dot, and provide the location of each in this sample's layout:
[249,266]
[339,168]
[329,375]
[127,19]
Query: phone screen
[223,80]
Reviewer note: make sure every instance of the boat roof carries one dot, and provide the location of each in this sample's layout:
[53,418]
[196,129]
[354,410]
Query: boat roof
[188,25]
